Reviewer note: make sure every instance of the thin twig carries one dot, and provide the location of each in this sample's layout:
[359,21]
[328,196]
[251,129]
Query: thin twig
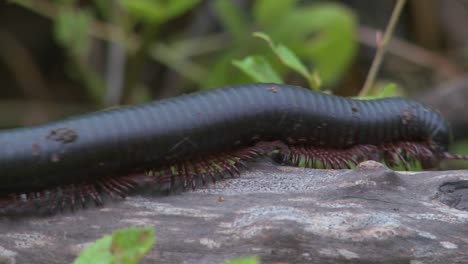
[413,53]
[382,45]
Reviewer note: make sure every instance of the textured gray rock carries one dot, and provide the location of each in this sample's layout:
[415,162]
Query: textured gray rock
[281,214]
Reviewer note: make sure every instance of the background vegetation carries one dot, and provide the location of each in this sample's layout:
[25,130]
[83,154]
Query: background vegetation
[62,57]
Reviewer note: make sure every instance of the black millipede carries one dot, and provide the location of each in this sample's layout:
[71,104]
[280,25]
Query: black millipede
[203,136]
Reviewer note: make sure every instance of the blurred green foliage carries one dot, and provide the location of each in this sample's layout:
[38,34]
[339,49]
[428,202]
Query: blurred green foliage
[72,30]
[322,35]
[124,246]
[157,12]
[318,36]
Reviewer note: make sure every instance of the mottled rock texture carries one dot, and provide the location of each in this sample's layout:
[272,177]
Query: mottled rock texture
[281,214]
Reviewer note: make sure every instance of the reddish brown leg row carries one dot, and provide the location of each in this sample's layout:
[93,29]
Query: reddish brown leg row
[209,168]
[393,154]
[185,174]
[212,167]
[70,196]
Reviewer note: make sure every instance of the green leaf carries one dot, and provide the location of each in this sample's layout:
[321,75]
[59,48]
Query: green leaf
[258,68]
[244,260]
[388,90]
[296,28]
[267,13]
[232,18]
[288,58]
[71,30]
[126,246]
[98,252]
[157,11]
[129,245]
[285,55]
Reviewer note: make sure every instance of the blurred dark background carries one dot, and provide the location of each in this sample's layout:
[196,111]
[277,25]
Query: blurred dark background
[65,57]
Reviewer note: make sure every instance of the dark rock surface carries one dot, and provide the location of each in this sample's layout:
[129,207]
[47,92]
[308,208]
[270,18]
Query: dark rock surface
[281,214]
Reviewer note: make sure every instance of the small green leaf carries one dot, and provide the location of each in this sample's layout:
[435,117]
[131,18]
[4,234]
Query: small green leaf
[130,244]
[288,58]
[98,252]
[71,29]
[244,260]
[285,55]
[259,69]
[126,246]
[157,11]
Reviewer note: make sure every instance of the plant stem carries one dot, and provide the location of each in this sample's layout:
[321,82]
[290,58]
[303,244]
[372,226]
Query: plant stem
[381,48]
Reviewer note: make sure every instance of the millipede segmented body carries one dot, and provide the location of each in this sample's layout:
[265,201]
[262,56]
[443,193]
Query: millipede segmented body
[206,135]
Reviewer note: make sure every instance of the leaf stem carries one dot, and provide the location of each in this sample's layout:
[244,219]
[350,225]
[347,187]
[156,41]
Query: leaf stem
[381,48]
